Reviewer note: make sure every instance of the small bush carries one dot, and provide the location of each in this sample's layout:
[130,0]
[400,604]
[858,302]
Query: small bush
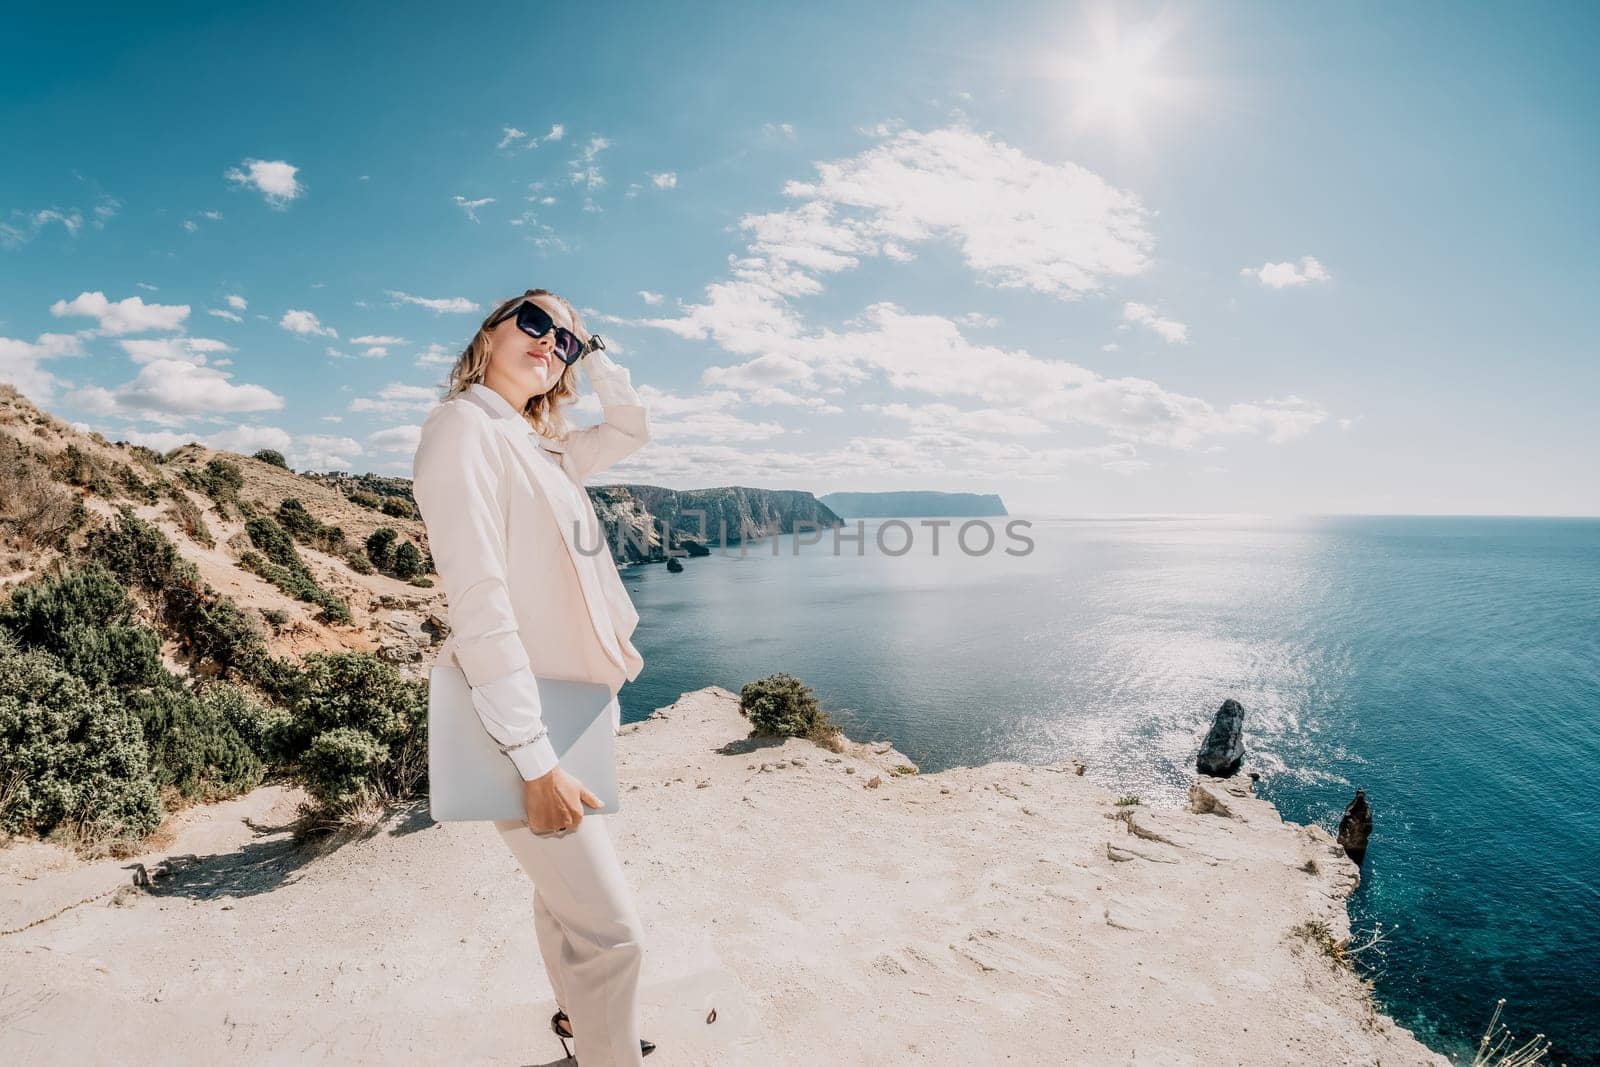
[357,732]
[272,456]
[307,528]
[209,627]
[85,619]
[221,480]
[398,507]
[781,705]
[365,498]
[407,562]
[359,562]
[281,565]
[380,548]
[194,746]
[70,756]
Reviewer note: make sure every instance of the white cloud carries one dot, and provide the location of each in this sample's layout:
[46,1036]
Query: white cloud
[147,286]
[650,298]
[1285,275]
[471,206]
[1058,230]
[511,136]
[237,302]
[557,132]
[704,417]
[783,130]
[165,388]
[665,180]
[377,339]
[436,355]
[585,171]
[396,399]
[305,324]
[221,314]
[454,303]
[396,439]
[132,315]
[273,179]
[322,452]
[21,362]
[1174,333]
[181,349]
[26,225]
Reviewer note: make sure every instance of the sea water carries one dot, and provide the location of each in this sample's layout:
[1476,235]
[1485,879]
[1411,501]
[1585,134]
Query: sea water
[1448,666]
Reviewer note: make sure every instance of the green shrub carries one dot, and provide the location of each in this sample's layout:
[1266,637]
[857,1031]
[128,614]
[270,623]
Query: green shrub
[225,474]
[380,548]
[341,766]
[307,528]
[272,456]
[221,480]
[359,562]
[407,561]
[209,627]
[398,507]
[194,746]
[70,756]
[365,498]
[261,726]
[298,583]
[281,565]
[782,705]
[357,732]
[85,619]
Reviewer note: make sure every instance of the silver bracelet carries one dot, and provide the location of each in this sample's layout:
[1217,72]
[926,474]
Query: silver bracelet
[524,744]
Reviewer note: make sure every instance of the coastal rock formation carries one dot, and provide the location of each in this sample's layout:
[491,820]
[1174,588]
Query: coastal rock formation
[1356,827]
[1003,913]
[1223,749]
[635,516]
[914,504]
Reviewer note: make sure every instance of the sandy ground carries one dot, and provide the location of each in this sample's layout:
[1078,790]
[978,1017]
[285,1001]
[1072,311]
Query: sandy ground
[997,914]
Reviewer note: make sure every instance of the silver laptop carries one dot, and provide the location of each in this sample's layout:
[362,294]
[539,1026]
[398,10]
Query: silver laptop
[470,779]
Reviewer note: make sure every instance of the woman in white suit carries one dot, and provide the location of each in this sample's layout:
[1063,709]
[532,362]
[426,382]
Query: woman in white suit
[498,478]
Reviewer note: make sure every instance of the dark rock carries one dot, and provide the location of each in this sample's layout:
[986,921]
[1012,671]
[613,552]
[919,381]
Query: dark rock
[436,629]
[1223,750]
[674,564]
[1356,827]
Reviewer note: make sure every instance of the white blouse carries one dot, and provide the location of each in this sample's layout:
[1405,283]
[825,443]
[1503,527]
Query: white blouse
[508,705]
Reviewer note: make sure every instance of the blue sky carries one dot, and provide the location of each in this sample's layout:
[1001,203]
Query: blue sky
[1142,258]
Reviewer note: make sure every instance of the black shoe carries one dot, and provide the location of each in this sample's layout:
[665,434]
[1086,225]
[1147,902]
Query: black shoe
[560,1017]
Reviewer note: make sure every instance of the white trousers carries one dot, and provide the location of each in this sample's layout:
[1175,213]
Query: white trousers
[589,934]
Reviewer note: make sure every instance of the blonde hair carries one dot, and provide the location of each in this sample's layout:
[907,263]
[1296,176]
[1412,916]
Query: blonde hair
[543,411]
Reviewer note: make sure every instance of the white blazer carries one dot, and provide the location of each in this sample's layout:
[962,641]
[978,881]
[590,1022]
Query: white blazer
[528,576]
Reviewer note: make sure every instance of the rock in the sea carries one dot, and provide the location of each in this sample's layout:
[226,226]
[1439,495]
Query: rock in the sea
[1356,827]
[674,565]
[1223,750]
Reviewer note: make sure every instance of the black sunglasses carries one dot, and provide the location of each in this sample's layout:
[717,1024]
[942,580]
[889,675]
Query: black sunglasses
[535,321]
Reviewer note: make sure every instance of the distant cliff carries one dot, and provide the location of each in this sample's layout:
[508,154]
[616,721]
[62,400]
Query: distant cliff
[912,504]
[636,515]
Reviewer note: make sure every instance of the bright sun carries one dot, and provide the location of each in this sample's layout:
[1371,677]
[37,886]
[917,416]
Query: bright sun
[1119,82]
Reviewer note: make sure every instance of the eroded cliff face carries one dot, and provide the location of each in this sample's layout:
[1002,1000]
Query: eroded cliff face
[639,519]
